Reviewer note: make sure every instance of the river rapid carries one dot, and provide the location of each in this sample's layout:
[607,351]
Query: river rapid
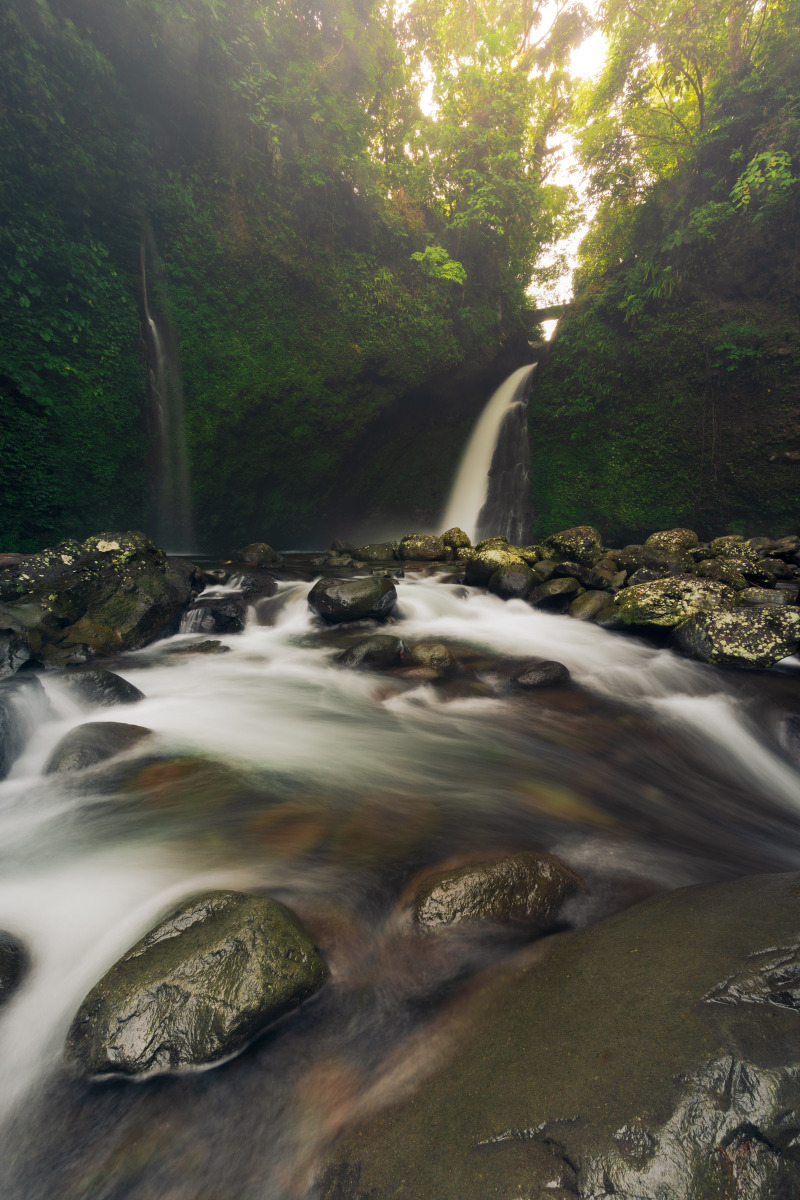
[272,768]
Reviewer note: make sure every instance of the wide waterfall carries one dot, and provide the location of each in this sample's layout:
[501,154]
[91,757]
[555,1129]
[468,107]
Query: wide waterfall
[490,494]
[170,475]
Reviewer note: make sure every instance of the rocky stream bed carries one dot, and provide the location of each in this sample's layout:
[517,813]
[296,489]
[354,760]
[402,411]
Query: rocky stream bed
[408,870]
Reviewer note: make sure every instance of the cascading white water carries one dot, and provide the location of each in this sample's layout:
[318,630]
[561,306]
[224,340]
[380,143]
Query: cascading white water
[471,487]
[171,475]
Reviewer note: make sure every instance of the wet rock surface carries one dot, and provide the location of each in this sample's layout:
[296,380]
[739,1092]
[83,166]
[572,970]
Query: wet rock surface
[93,743]
[96,686]
[540,673]
[258,554]
[197,988]
[341,600]
[582,544]
[665,603]
[512,581]
[216,614]
[14,963]
[22,704]
[746,637]
[424,546]
[524,889]
[653,1055]
[373,653]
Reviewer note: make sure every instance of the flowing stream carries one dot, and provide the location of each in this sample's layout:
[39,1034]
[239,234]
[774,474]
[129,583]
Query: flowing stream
[273,768]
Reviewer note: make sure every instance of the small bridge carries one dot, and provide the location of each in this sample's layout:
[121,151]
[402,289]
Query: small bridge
[544,314]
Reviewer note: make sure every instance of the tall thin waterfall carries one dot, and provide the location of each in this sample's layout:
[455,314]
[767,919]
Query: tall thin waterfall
[490,494]
[170,476]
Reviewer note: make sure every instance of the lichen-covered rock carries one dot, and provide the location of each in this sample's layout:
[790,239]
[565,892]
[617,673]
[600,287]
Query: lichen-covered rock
[731,543]
[589,577]
[95,686]
[93,743]
[666,602]
[197,988]
[258,554]
[756,597]
[723,570]
[373,653]
[587,606]
[555,593]
[14,963]
[340,600]
[456,539]
[493,543]
[540,673]
[526,888]
[483,564]
[582,544]
[746,637]
[426,547]
[651,558]
[115,591]
[512,581]
[378,552]
[654,1055]
[672,541]
[433,655]
[529,554]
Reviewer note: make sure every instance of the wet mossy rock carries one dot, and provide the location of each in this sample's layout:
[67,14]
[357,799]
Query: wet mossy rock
[433,655]
[555,593]
[96,686]
[484,563]
[373,653]
[340,600]
[378,552]
[14,963]
[722,570]
[673,542]
[258,554]
[512,581]
[93,743]
[652,1056]
[582,544]
[666,602]
[524,889]
[746,637]
[113,592]
[456,539]
[426,547]
[197,988]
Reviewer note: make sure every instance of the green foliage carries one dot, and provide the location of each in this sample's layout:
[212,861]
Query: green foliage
[740,345]
[437,264]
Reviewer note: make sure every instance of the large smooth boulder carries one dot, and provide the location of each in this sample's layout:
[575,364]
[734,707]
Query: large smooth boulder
[512,581]
[14,963]
[587,606]
[340,600]
[522,889]
[581,544]
[197,988]
[652,1056]
[112,592]
[23,704]
[425,546]
[666,602]
[373,653]
[484,563]
[93,743]
[258,554]
[456,539]
[746,637]
[673,542]
[96,686]
[555,593]
[378,552]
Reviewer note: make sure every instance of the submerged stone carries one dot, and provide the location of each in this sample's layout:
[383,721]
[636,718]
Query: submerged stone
[541,673]
[526,888]
[340,600]
[433,655]
[22,704]
[197,988]
[373,653]
[95,686]
[746,637]
[666,602]
[93,743]
[654,1055]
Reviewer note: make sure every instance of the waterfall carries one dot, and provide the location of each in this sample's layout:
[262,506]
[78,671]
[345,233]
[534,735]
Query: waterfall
[490,492]
[170,476]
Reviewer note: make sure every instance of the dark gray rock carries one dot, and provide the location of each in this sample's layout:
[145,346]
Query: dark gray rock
[14,963]
[259,554]
[93,743]
[587,576]
[378,552]
[512,581]
[522,889]
[95,686]
[541,673]
[652,1056]
[745,637]
[777,568]
[340,600]
[556,593]
[254,584]
[723,570]
[15,648]
[23,704]
[587,606]
[373,653]
[197,988]
[216,614]
[207,647]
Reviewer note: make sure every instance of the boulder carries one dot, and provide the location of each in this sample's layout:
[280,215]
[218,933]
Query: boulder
[723,570]
[523,889]
[15,648]
[378,552]
[650,557]
[540,673]
[512,581]
[93,743]
[647,575]
[340,547]
[731,543]
[587,606]
[95,686]
[255,585]
[556,593]
[654,1055]
[433,655]
[373,653]
[589,577]
[544,568]
[493,543]
[216,614]
[582,544]
[756,597]
[483,564]
[424,546]
[113,592]
[258,554]
[746,637]
[750,568]
[456,539]
[339,600]
[673,542]
[23,704]
[667,602]
[777,568]
[197,988]
[14,963]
